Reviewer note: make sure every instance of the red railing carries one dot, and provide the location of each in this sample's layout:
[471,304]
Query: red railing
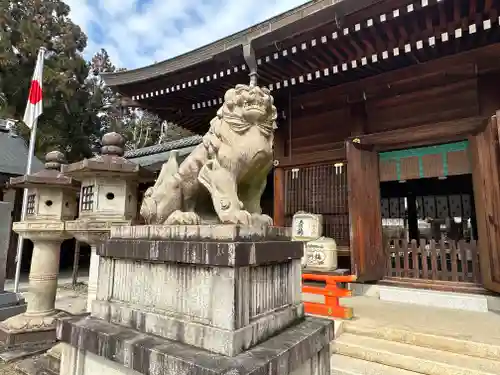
[332,292]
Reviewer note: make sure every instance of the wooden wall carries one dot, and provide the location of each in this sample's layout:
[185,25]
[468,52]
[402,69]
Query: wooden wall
[392,111]
[432,105]
[320,132]
[312,139]
[321,189]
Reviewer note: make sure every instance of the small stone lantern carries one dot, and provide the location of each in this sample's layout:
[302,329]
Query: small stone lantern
[108,197]
[51,201]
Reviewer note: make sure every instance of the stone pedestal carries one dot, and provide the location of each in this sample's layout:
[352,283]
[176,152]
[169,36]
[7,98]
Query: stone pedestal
[37,324]
[10,303]
[217,299]
[51,200]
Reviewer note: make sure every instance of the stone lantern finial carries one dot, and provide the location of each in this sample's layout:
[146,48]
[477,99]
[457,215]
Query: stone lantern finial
[54,160]
[113,144]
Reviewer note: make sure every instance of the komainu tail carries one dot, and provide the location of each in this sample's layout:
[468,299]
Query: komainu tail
[155,194]
[168,169]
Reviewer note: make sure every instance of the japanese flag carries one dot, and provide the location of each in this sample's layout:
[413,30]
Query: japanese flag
[34,107]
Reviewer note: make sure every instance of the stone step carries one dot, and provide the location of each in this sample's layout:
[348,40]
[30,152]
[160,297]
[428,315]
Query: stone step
[412,358]
[53,361]
[36,366]
[343,365]
[440,342]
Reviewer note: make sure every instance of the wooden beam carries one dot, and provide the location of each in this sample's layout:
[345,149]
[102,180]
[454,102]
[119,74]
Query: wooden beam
[359,118]
[484,58]
[420,135]
[323,157]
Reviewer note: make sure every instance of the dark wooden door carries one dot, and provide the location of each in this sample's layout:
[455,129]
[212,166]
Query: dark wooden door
[485,155]
[368,260]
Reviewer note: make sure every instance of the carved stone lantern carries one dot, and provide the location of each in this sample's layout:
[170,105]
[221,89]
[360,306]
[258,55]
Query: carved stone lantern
[51,201]
[108,197]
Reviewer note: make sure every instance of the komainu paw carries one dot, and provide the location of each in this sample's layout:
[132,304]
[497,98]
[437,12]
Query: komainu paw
[183,218]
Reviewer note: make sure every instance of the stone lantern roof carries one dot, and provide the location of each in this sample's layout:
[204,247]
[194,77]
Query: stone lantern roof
[49,176]
[110,161]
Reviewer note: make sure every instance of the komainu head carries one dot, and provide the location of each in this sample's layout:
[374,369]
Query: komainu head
[249,105]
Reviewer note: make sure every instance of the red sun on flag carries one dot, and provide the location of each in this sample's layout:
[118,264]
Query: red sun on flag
[35,92]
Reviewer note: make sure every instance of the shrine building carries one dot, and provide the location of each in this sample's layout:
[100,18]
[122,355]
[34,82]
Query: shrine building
[387,127]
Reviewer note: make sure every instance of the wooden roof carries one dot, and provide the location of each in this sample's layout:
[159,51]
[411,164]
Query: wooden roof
[14,154]
[279,27]
[313,47]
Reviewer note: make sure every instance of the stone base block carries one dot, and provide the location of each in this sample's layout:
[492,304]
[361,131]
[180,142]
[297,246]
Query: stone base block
[216,232]
[224,341]
[98,347]
[26,330]
[27,351]
[11,304]
[220,296]
[53,359]
[46,364]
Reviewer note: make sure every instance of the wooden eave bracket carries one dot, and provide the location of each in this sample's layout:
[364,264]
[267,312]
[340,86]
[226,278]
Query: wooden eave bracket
[251,61]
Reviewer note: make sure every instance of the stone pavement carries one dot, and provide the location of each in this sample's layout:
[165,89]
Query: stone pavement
[69,299]
[370,314]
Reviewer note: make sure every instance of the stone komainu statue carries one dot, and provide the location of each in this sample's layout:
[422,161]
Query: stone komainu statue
[223,178]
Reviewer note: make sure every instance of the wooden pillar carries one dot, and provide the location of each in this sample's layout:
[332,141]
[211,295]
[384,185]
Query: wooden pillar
[282,134]
[279,197]
[76,263]
[485,152]
[288,151]
[368,261]
[412,217]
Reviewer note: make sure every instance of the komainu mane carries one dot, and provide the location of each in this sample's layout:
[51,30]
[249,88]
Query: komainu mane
[223,178]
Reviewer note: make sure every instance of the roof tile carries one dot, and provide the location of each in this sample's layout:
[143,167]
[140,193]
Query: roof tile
[168,146]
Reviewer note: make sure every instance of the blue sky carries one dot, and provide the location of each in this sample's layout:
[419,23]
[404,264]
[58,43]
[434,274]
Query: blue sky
[139,32]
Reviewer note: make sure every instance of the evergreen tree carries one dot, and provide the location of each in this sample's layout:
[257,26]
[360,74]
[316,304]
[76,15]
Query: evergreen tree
[69,122]
[78,107]
[140,128]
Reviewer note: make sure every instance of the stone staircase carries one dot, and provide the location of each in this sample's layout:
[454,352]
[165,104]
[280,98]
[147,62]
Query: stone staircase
[377,347]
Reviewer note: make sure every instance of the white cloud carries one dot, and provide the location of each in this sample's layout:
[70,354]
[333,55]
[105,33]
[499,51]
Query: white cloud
[139,32]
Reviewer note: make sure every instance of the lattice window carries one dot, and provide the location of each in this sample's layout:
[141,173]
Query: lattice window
[30,206]
[320,189]
[87,198]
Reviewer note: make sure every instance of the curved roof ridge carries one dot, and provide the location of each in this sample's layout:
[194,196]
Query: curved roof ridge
[208,51]
[164,147]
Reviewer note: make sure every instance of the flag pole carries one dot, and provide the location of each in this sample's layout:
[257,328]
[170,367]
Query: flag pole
[31,152]
[20,238]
